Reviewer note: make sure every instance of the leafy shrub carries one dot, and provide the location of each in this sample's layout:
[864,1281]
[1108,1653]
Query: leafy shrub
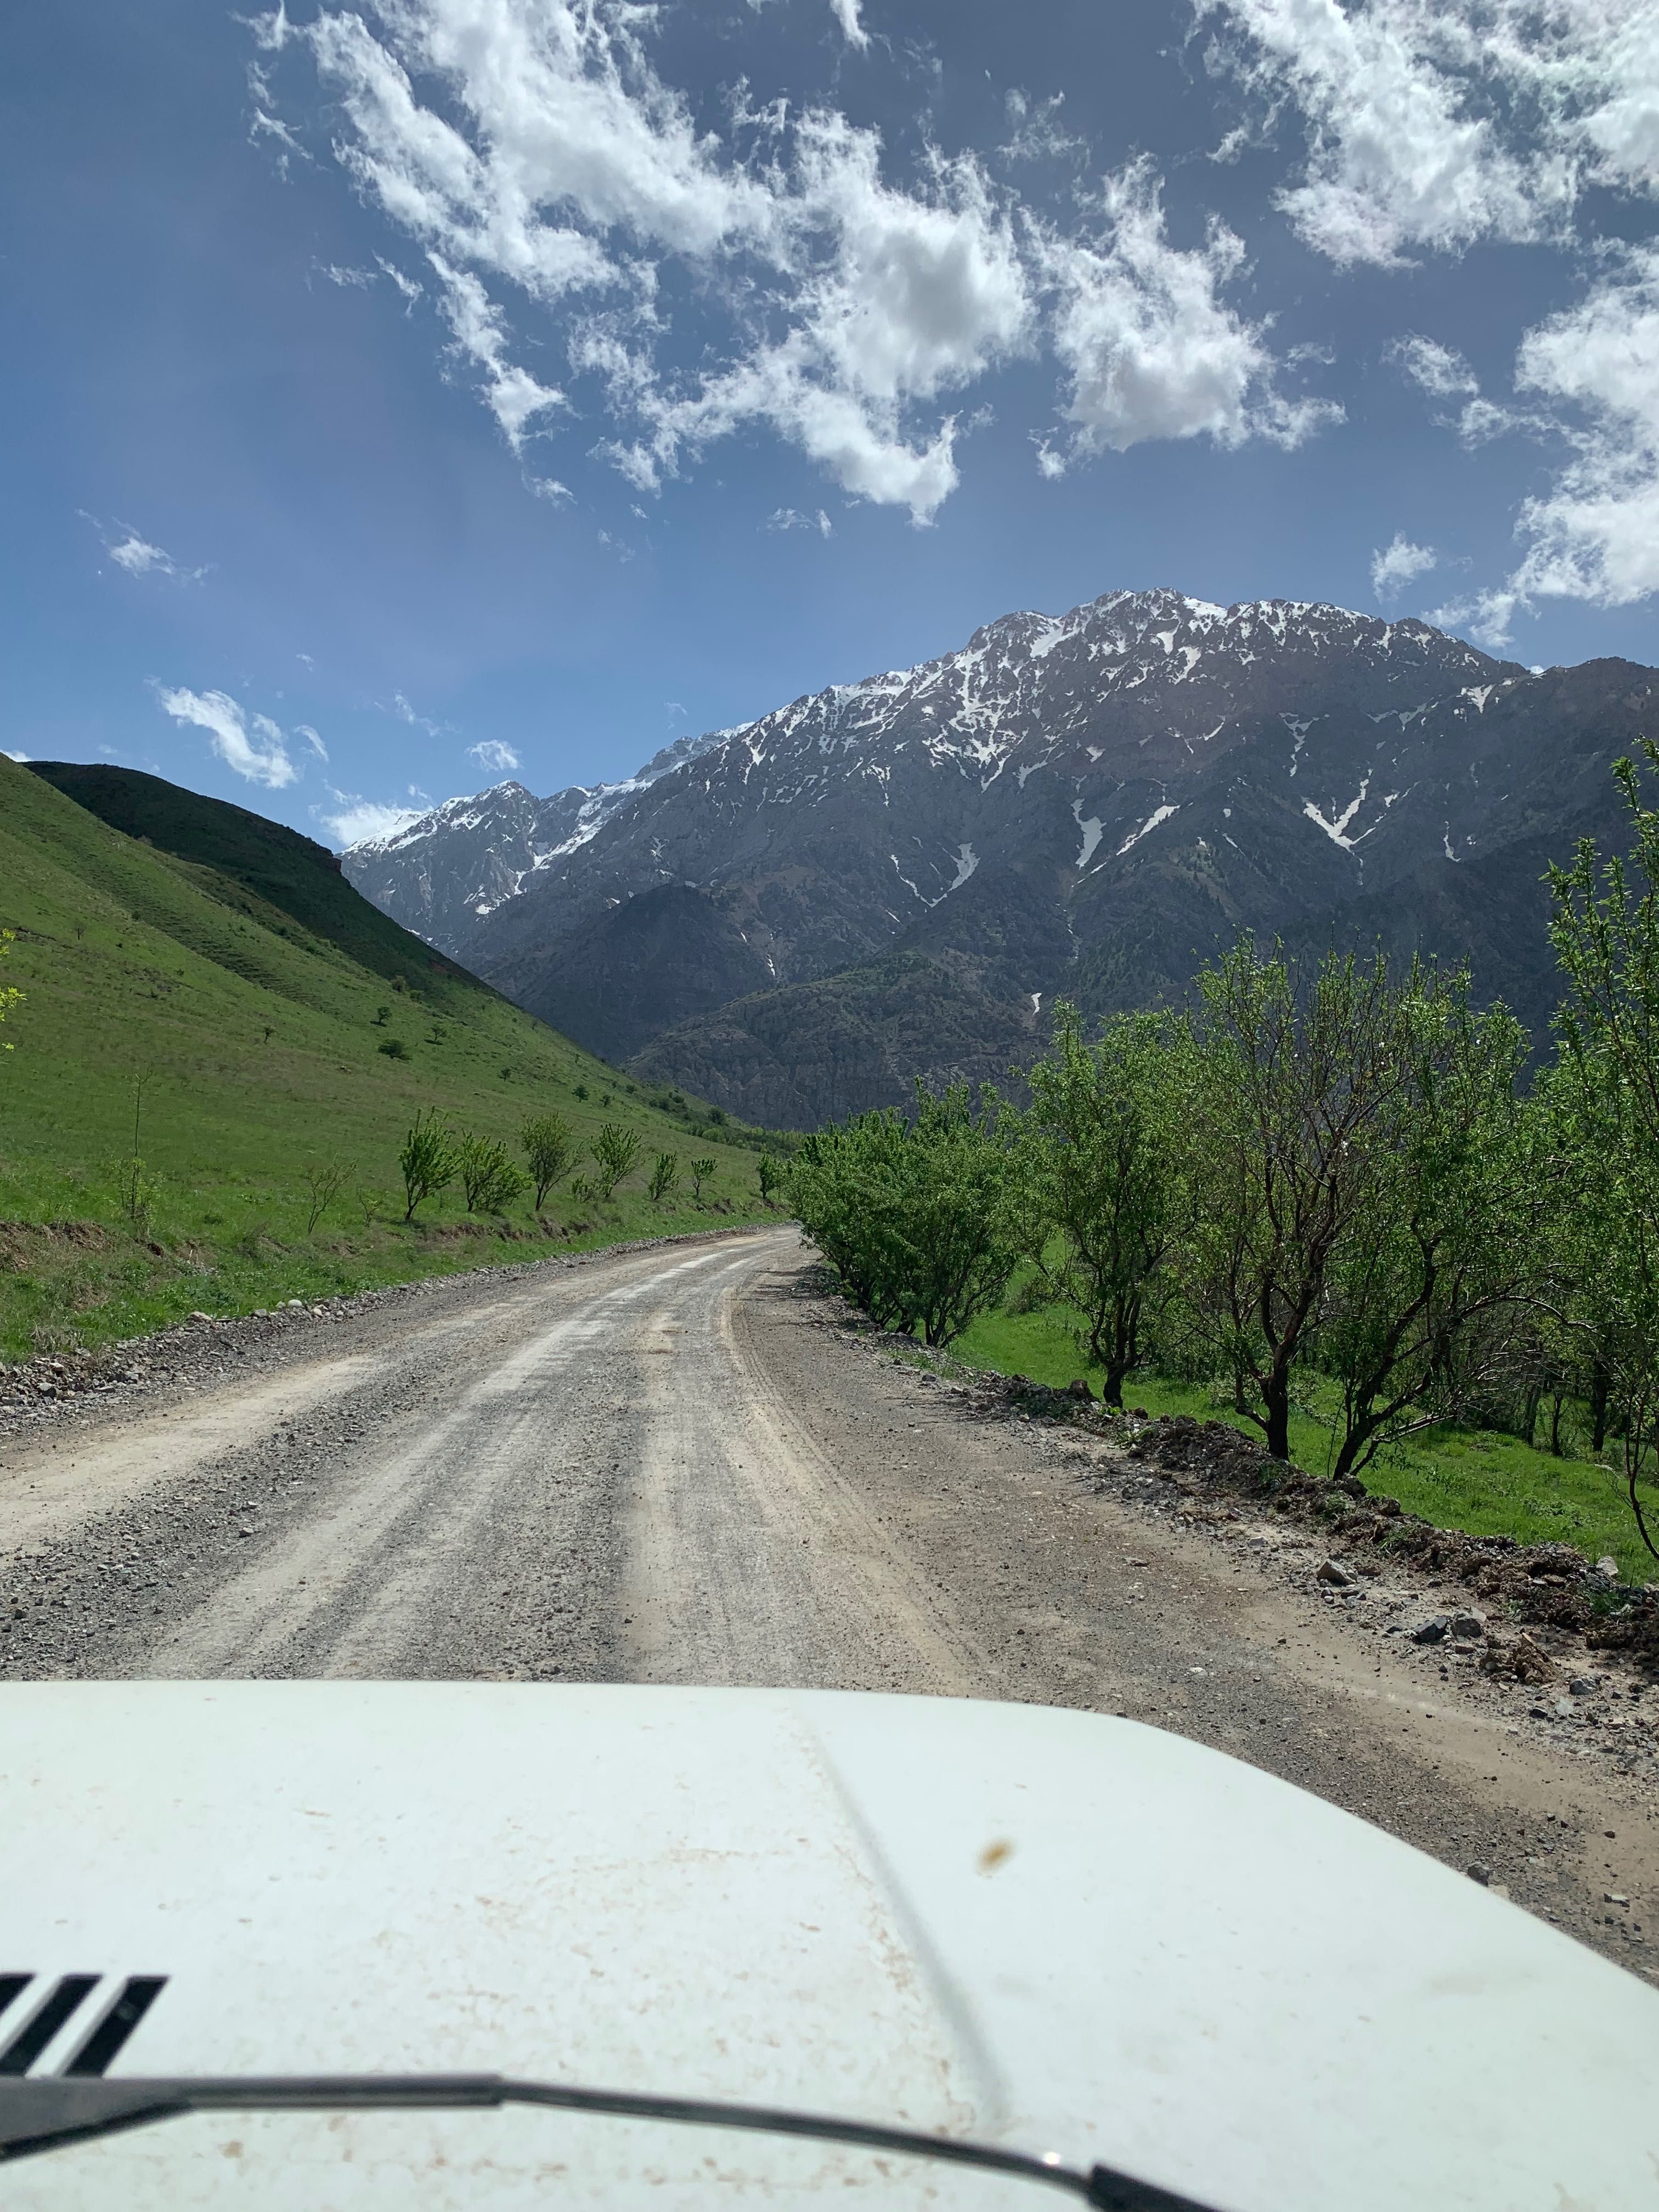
[427,1159]
[663,1176]
[394,1049]
[488,1178]
[549,1152]
[917,1219]
[615,1151]
[700,1171]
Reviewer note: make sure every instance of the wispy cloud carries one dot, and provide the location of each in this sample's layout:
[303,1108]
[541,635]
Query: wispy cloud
[492,753]
[137,556]
[357,821]
[791,517]
[846,13]
[253,745]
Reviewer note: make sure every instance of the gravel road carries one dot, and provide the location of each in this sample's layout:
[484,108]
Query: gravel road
[673,1464]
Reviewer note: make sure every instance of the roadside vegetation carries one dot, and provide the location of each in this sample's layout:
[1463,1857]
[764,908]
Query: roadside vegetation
[1327,1206]
[197,1115]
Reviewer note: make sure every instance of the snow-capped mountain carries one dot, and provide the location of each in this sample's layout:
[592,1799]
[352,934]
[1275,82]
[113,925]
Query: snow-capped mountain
[899,873]
[441,874]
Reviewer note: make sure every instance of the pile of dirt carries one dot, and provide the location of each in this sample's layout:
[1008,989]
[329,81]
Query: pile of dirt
[1531,1585]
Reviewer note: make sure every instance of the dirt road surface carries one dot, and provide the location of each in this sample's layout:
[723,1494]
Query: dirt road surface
[673,1465]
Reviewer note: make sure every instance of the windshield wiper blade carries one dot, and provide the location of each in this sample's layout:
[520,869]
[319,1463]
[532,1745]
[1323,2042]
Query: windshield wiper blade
[49,2111]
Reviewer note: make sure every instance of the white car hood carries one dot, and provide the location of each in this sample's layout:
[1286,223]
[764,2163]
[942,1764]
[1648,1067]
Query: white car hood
[1049,1929]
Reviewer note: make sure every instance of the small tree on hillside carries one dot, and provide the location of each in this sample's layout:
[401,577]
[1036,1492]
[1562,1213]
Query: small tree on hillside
[770,1174]
[664,1174]
[549,1152]
[700,1171]
[488,1178]
[615,1151]
[428,1160]
[323,1186]
[1100,1158]
[10,997]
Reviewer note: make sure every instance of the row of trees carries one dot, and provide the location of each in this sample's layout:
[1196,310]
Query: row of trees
[1328,1185]
[434,1155]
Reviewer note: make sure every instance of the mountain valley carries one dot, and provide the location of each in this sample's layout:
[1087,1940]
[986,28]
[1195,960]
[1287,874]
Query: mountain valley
[897,876]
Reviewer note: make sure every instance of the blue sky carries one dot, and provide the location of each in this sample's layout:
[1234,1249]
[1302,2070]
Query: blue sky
[461,388]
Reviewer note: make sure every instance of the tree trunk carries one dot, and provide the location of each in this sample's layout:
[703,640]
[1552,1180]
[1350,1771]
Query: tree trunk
[1276,1402]
[1600,1391]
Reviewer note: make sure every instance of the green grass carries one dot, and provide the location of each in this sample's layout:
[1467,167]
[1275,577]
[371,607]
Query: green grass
[253,1026]
[1486,1483]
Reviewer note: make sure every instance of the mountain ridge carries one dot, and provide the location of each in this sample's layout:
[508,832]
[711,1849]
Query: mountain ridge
[1091,804]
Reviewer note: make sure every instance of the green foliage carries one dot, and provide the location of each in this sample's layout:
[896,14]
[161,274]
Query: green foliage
[550,1151]
[664,1174]
[615,1151]
[490,1180]
[769,1175]
[323,1186]
[137,1189]
[395,1048]
[428,1160]
[702,1169]
[919,1218]
[1103,1182]
[382,1016]
[1604,1098]
[1360,1199]
[11,996]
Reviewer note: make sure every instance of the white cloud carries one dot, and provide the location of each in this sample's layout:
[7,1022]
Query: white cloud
[791,517]
[1399,564]
[357,821]
[1486,617]
[1434,123]
[1151,349]
[251,744]
[492,753]
[356,280]
[407,285]
[561,164]
[304,730]
[401,707]
[12,755]
[1596,534]
[846,13]
[137,556]
[511,393]
[1441,370]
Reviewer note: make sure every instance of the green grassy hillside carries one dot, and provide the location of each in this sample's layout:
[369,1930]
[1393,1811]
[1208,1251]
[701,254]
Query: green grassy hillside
[214,974]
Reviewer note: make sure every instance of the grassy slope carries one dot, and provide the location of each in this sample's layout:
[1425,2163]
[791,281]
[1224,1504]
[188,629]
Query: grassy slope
[1488,1483]
[135,960]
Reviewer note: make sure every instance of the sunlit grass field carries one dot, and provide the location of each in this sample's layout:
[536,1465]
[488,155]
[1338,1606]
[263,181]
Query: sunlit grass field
[175,1016]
